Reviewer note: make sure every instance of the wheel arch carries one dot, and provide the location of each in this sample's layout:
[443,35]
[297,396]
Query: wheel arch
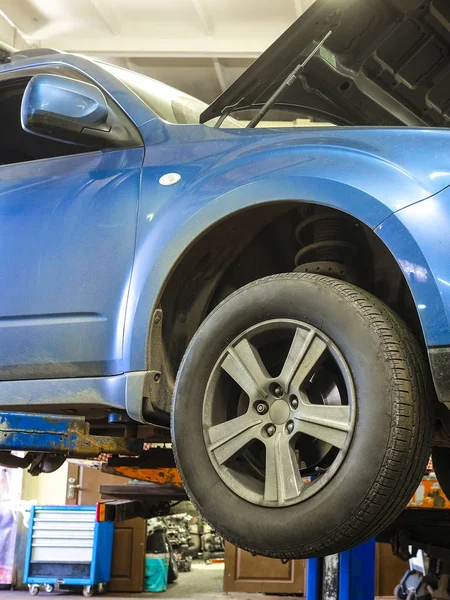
[221,229]
[165,246]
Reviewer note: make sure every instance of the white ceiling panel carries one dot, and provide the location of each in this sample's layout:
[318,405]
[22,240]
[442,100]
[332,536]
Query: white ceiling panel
[200,46]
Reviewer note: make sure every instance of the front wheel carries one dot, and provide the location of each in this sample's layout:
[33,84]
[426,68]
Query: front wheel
[302,416]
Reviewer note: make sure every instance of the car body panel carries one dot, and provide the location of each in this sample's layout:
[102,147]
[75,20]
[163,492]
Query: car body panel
[89,395]
[67,226]
[419,239]
[369,173]
[385,63]
[96,258]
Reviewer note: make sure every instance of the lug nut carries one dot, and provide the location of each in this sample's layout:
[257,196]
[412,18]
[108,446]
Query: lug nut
[271,430]
[261,408]
[278,391]
[294,402]
[290,427]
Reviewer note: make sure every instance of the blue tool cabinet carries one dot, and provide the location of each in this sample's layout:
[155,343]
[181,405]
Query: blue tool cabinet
[67,546]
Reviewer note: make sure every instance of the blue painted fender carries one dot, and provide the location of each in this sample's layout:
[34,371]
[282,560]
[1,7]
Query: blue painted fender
[370,174]
[419,239]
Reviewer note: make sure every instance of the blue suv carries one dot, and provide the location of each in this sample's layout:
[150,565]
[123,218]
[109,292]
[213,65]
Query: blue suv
[281,296]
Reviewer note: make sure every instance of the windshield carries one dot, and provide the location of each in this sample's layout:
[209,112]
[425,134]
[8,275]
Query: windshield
[167,102]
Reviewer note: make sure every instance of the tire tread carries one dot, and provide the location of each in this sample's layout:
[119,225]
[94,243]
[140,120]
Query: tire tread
[409,445]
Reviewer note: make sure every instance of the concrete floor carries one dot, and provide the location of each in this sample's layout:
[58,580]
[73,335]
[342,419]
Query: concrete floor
[204,582]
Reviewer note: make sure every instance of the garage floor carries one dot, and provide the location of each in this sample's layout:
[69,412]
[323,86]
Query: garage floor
[204,582]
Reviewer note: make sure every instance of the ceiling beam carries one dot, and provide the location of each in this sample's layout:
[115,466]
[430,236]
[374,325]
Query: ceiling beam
[298,6]
[301,6]
[204,16]
[10,34]
[151,46]
[22,16]
[107,16]
[220,74]
[129,65]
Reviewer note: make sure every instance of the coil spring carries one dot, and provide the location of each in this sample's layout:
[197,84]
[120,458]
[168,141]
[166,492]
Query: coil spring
[328,239]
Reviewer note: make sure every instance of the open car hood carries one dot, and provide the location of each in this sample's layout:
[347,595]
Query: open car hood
[385,63]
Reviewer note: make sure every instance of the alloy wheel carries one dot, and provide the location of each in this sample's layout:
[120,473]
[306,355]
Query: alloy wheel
[279,412]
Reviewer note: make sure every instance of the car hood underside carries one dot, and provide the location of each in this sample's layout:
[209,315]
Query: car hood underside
[386,63]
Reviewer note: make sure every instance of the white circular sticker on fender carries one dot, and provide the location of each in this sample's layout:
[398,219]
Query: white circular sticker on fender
[170,179]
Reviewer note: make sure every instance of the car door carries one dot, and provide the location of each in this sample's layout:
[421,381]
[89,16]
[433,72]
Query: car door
[67,236]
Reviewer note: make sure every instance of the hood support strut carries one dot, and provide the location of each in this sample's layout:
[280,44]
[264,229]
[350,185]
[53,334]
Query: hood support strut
[290,79]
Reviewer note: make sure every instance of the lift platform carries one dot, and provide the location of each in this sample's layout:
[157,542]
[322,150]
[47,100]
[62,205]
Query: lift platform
[44,436]
[59,434]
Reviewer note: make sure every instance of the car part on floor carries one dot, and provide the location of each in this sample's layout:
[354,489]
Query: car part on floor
[212,544]
[172,532]
[441,465]
[284,406]
[422,536]
[426,579]
[158,543]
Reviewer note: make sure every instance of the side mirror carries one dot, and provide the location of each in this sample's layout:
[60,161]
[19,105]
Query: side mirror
[68,110]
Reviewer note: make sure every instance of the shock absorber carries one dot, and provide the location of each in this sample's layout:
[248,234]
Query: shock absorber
[326,246]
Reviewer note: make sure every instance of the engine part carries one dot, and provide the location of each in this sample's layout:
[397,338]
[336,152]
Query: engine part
[7,459]
[38,462]
[46,463]
[327,246]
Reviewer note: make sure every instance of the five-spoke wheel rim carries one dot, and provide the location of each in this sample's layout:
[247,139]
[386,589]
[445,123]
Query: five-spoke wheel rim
[279,412]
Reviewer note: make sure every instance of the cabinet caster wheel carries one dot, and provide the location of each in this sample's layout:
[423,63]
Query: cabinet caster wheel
[400,593]
[33,589]
[48,587]
[88,591]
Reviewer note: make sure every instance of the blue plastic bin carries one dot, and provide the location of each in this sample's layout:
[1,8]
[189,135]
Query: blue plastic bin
[156,572]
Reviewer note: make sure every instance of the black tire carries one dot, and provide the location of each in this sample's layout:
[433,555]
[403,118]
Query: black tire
[391,440]
[441,466]
[173,565]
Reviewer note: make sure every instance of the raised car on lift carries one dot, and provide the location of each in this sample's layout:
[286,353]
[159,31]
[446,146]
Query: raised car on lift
[294,282]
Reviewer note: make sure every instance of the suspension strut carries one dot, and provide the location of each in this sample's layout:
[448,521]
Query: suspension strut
[326,246]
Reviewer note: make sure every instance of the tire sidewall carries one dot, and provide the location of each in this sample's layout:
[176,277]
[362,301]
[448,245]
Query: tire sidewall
[303,299]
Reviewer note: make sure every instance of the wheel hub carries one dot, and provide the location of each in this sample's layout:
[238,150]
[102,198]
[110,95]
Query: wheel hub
[265,427]
[279,412]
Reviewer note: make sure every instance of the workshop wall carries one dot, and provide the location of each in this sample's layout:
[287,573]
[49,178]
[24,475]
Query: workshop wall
[47,488]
